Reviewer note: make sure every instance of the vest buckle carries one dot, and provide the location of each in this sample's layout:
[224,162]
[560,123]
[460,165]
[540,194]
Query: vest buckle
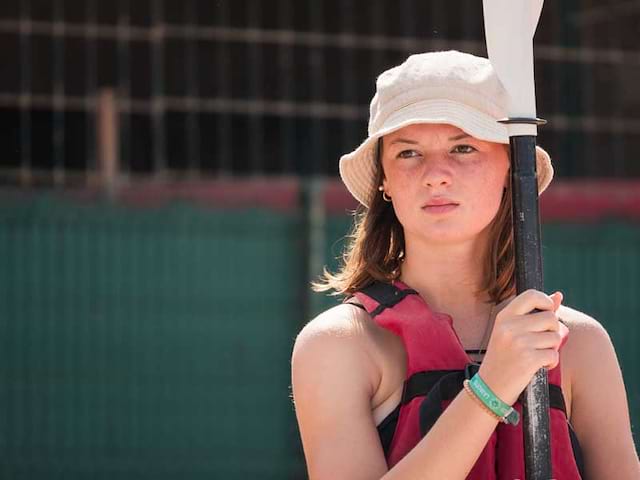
[470,369]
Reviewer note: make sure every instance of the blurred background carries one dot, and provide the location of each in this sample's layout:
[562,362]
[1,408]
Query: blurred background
[168,188]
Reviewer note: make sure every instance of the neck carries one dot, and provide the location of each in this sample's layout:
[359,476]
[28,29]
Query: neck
[448,277]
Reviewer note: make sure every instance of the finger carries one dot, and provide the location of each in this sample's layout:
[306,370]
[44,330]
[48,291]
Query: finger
[530,300]
[544,340]
[557,298]
[564,332]
[551,357]
[546,321]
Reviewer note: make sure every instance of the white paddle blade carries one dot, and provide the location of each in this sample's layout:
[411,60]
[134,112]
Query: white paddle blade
[509,29]
[536,10]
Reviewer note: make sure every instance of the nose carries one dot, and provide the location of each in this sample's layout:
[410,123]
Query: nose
[437,171]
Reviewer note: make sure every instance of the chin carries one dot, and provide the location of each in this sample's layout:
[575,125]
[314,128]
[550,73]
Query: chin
[444,240]
[447,236]
[449,233]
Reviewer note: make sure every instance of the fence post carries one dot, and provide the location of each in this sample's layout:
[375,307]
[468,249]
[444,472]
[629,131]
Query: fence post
[108,141]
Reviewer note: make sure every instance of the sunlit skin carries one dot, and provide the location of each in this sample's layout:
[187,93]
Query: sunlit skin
[424,162]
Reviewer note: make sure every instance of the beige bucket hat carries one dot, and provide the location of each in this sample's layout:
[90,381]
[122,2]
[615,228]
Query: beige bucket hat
[449,87]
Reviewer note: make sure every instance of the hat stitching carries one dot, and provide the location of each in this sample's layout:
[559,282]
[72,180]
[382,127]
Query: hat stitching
[464,106]
[461,88]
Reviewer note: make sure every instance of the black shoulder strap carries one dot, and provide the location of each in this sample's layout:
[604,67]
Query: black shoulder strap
[351,300]
[556,398]
[386,294]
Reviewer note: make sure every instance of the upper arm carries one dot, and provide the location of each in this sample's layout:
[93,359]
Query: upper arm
[332,390]
[600,411]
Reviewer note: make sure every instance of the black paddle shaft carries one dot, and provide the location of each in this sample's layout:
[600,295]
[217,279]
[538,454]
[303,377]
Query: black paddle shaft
[528,253]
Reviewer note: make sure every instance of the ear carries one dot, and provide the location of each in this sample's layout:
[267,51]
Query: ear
[383,182]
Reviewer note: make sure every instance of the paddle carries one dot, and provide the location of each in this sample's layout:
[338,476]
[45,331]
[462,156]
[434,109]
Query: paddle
[509,29]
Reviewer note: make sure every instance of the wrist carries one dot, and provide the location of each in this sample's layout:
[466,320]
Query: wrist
[479,402]
[499,407]
[498,387]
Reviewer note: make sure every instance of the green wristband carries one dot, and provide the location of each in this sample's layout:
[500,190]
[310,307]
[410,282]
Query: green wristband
[497,406]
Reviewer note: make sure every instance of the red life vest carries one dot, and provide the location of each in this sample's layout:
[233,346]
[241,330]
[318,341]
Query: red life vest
[436,367]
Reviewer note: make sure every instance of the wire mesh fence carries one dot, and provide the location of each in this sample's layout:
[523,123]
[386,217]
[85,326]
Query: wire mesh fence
[220,88]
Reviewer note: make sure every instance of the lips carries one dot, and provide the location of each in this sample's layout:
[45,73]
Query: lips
[439,202]
[440,205]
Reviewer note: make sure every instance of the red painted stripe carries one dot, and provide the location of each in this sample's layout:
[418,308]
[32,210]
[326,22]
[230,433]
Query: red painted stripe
[277,194]
[337,199]
[281,194]
[591,201]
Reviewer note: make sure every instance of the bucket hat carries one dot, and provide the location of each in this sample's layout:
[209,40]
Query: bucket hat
[448,87]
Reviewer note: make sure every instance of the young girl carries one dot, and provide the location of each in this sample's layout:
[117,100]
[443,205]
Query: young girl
[419,373]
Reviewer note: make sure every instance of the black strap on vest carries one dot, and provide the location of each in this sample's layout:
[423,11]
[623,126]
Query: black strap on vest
[437,386]
[422,383]
[386,294]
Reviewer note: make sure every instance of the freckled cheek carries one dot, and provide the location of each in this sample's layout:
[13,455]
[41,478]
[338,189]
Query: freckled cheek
[487,198]
[405,193]
[400,180]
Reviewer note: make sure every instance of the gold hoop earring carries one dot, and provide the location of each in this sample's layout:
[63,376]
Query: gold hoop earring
[385,197]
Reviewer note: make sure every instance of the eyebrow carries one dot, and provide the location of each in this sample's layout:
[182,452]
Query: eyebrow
[413,142]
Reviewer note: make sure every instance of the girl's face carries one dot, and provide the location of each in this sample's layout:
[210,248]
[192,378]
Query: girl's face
[445,185]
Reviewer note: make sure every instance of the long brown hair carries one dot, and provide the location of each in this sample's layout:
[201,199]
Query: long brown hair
[375,249]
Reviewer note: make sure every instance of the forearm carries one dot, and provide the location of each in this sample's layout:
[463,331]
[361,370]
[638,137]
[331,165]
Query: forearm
[451,447]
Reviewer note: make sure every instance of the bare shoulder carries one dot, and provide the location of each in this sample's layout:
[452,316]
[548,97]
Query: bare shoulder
[586,338]
[596,380]
[342,321]
[333,380]
[579,322]
[339,336]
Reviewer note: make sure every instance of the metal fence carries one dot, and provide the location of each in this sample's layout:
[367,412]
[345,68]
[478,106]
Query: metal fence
[97,92]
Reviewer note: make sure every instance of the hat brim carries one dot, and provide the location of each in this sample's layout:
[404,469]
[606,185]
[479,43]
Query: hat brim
[358,169]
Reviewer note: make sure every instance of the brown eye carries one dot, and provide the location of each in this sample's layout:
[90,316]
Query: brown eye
[408,154]
[466,149]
